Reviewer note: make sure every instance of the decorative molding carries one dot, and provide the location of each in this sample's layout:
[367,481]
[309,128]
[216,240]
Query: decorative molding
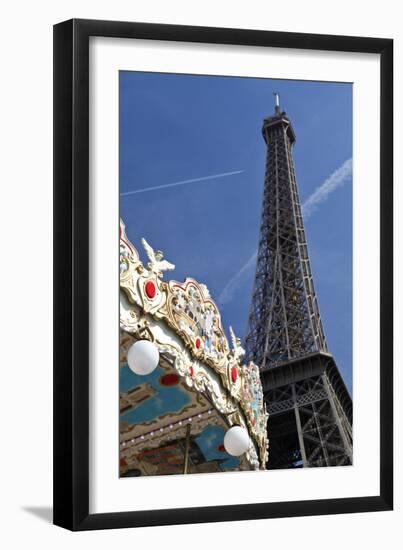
[184,322]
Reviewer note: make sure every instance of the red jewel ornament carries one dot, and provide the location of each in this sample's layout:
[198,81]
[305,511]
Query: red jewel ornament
[190,371]
[150,289]
[221,448]
[169,379]
[234,374]
[198,343]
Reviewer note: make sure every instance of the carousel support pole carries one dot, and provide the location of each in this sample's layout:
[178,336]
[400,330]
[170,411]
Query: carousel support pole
[185,467]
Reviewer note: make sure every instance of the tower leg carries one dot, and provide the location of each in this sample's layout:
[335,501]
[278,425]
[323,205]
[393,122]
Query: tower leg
[346,439]
[307,423]
[299,428]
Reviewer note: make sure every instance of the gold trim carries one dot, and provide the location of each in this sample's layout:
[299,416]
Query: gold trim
[185,324]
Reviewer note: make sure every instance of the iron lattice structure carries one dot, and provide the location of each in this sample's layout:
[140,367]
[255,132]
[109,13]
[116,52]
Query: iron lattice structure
[310,409]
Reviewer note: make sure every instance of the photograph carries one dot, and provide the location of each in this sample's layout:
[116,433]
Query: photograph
[236,289]
[205,197]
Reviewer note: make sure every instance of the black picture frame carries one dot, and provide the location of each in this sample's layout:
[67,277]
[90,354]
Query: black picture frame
[71,274]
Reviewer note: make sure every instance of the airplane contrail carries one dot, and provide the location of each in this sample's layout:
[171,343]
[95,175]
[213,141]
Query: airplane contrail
[235,282]
[338,178]
[183,182]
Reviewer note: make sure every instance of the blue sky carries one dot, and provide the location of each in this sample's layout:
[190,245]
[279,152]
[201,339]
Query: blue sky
[179,127]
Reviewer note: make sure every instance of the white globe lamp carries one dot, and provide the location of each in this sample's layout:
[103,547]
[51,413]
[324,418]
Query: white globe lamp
[236,441]
[143,357]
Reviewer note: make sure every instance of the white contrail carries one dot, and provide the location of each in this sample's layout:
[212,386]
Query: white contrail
[183,182]
[333,182]
[338,178]
[236,281]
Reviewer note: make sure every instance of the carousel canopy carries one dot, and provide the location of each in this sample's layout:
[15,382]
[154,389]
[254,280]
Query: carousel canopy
[182,386]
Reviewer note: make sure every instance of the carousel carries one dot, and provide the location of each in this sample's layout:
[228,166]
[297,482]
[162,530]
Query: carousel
[187,402]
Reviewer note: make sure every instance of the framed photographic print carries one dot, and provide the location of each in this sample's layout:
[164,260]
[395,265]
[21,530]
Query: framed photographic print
[223,274]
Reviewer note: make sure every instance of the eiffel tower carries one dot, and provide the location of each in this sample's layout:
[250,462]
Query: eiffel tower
[310,409]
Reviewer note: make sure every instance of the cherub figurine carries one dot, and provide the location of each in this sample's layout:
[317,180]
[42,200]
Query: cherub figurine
[205,290]
[236,345]
[156,264]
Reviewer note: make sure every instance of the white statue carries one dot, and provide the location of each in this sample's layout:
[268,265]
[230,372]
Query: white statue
[205,290]
[156,264]
[236,345]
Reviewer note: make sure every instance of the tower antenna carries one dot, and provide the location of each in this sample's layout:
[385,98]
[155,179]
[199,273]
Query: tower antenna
[277,102]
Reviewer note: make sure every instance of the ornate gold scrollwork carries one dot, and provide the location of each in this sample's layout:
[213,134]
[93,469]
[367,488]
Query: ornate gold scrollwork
[185,324]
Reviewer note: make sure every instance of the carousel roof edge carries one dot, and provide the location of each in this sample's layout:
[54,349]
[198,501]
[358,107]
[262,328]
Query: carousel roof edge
[185,323]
